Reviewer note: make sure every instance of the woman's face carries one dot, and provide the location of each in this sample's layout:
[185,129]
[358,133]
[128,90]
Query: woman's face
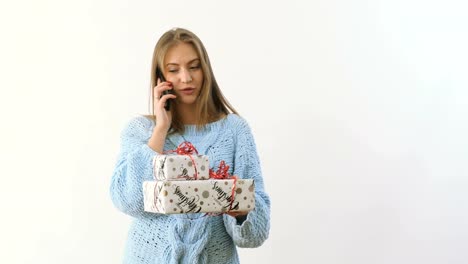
[183,70]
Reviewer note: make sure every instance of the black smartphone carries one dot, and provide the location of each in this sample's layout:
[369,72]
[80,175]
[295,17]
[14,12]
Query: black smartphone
[159,74]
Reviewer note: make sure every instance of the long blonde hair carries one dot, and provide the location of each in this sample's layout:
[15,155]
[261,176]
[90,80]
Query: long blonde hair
[211,105]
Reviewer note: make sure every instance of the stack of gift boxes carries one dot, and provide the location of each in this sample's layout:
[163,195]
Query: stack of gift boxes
[184,183]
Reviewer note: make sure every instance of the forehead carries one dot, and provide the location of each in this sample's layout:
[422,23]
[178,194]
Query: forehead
[181,53]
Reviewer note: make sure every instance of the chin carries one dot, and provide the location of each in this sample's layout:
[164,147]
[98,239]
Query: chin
[188,101]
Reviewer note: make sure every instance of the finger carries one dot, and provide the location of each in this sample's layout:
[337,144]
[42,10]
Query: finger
[158,81]
[159,90]
[164,98]
[238,213]
[163,84]
[233,214]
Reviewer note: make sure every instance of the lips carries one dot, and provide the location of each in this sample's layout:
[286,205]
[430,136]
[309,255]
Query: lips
[188,90]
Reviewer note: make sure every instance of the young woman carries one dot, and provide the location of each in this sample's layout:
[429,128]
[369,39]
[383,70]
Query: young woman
[200,114]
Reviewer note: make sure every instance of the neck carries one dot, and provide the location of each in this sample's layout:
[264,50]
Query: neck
[187,114]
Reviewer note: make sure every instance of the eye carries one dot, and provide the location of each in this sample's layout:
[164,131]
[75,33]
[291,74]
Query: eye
[195,67]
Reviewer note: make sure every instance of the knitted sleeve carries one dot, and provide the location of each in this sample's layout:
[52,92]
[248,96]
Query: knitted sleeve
[253,231]
[133,166]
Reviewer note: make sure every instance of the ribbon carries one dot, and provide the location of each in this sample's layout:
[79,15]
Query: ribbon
[186,148]
[222,174]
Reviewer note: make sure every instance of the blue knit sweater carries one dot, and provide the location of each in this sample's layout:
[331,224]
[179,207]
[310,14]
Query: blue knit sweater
[188,238]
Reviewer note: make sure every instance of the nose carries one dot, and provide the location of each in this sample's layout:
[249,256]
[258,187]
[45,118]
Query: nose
[186,77]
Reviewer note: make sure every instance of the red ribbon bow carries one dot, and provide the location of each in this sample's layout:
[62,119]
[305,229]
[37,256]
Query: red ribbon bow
[221,173]
[186,148]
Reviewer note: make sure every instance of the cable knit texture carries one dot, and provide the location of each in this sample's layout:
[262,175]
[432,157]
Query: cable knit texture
[188,238]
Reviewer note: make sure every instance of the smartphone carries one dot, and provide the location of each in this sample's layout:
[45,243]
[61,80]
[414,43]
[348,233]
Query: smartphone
[159,74]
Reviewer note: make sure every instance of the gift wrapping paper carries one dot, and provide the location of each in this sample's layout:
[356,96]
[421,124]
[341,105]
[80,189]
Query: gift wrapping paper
[180,167]
[208,196]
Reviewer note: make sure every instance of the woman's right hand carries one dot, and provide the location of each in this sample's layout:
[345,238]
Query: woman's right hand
[163,117]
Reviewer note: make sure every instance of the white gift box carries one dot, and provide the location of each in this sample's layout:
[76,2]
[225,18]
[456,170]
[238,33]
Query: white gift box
[208,196]
[181,167]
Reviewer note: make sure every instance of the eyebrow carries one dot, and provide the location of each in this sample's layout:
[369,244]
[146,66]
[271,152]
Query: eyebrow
[172,63]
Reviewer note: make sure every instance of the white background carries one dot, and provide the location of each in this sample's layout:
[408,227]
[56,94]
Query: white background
[359,110]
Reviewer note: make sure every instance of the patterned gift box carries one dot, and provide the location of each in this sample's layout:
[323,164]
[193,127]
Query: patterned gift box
[180,167]
[209,196]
